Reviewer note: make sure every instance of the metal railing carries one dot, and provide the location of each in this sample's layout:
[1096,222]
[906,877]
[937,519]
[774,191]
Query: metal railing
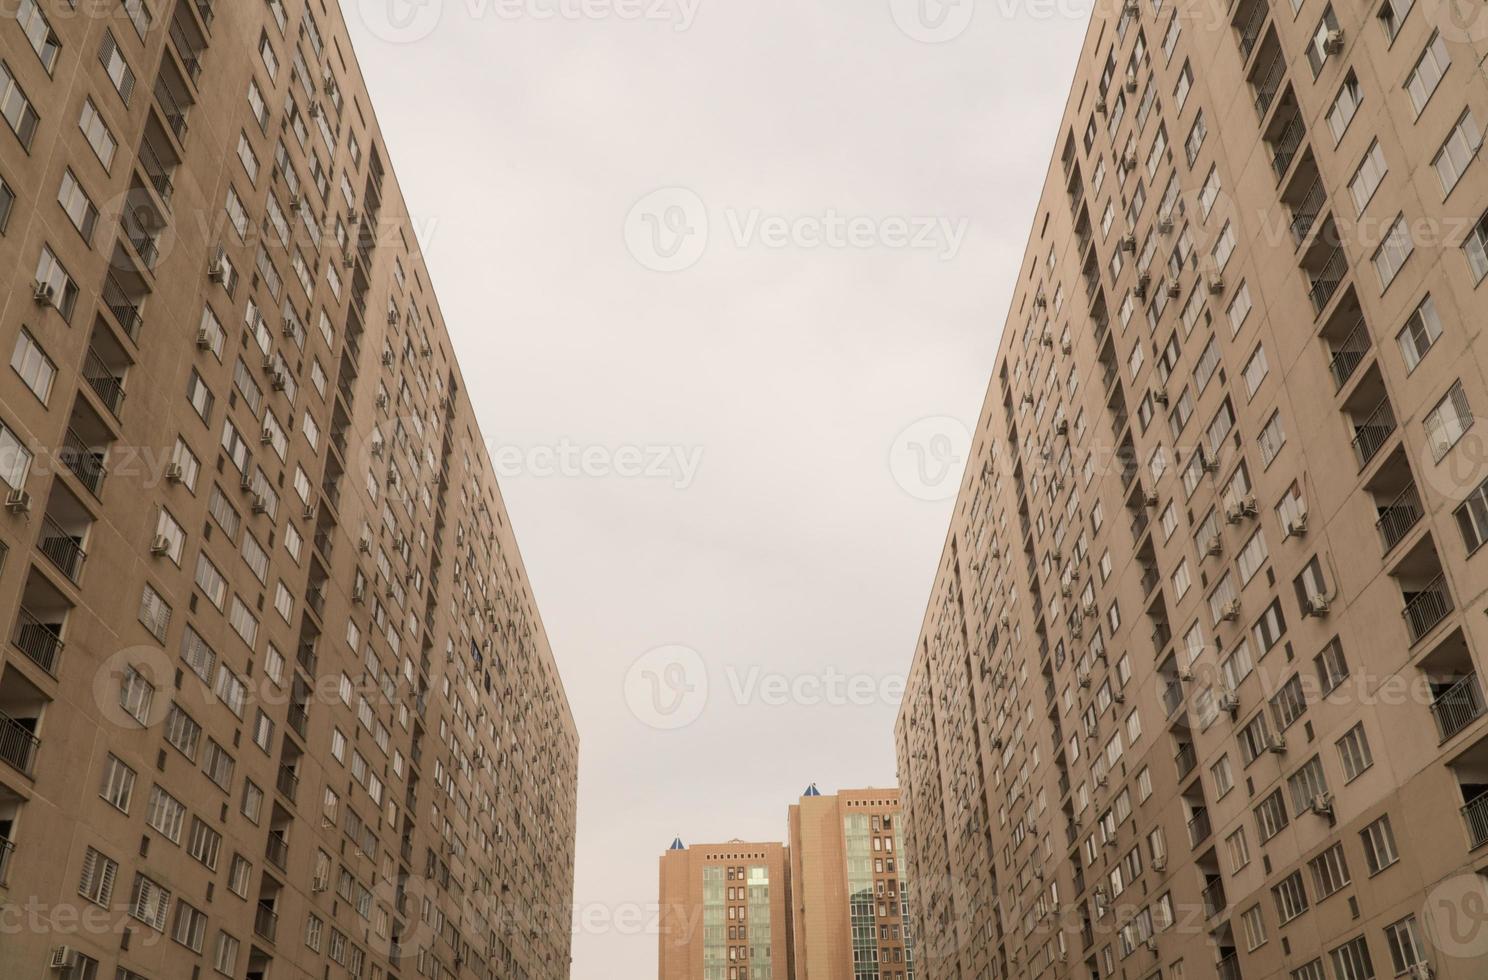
[1371,434]
[1267,83]
[288,783]
[276,849]
[160,175]
[1172,698]
[1349,353]
[62,547]
[83,461]
[1228,968]
[1305,212]
[40,642]
[1250,30]
[7,848]
[1458,706]
[298,719]
[189,54]
[1322,284]
[18,746]
[1284,148]
[171,108]
[265,922]
[108,386]
[1398,516]
[1427,607]
[1198,827]
[124,309]
[1186,759]
[1476,815]
[1214,898]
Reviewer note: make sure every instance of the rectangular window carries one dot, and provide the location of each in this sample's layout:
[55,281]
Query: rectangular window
[1421,330]
[1271,439]
[97,881]
[1351,960]
[1367,177]
[39,33]
[54,277]
[1428,72]
[115,67]
[34,367]
[16,108]
[149,903]
[1329,871]
[1406,948]
[1446,423]
[1345,106]
[1322,44]
[118,783]
[1379,845]
[77,205]
[1291,898]
[1461,145]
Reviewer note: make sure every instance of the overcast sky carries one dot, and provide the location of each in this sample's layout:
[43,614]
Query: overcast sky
[708,270]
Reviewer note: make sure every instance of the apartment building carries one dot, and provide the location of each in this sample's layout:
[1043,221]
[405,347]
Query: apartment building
[1196,693]
[849,904]
[724,912]
[275,696]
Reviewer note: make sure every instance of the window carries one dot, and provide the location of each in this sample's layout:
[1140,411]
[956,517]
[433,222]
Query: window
[38,31]
[182,731]
[154,613]
[1351,960]
[1461,145]
[1332,669]
[1428,72]
[1195,140]
[1291,898]
[1253,555]
[1269,629]
[1255,927]
[1256,370]
[1476,247]
[1391,15]
[1271,439]
[1345,106]
[165,814]
[1271,816]
[247,157]
[115,67]
[170,538]
[78,206]
[210,580]
[1392,252]
[1379,845]
[1421,330]
[1446,423]
[118,783]
[51,274]
[1183,86]
[1238,848]
[225,956]
[218,765]
[97,131]
[97,881]
[200,396]
[1308,785]
[189,466]
[1239,308]
[203,843]
[149,903]
[34,367]
[1406,949]
[1224,776]
[1224,247]
[1329,871]
[1321,45]
[136,695]
[16,108]
[190,928]
[1367,177]
[239,876]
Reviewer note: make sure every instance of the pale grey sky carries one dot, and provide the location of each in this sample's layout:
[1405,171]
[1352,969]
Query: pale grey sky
[850,204]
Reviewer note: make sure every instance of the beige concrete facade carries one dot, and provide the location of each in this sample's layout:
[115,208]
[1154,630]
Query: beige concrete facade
[849,907]
[1196,693]
[725,912]
[275,697]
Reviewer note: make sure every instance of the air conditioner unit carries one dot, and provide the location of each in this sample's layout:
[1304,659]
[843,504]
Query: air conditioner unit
[1184,674]
[1175,288]
[1066,590]
[1317,605]
[18,502]
[245,482]
[43,293]
[1131,81]
[1119,697]
[1298,524]
[1232,514]
[352,217]
[217,270]
[1422,971]
[1143,281]
[1061,427]
[1065,347]
[1040,302]
[392,318]
[382,400]
[266,436]
[359,594]
[1047,340]
[1084,678]
[1088,609]
[279,381]
[1278,744]
[1160,863]
[1151,945]
[1100,106]
[1322,804]
[1248,506]
[63,958]
[296,202]
[320,883]
[364,545]
[160,545]
[1130,8]
[1160,394]
[1129,161]
[1165,224]
[313,109]
[387,358]
[1128,243]
[426,351]
[1101,780]
[1216,284]
[260,503]
[1149,498]
[1213,546]
[1230,611]
[348,258]
[204,340]
[1208,463]
[1230,702]
[1333,43]
[174,472]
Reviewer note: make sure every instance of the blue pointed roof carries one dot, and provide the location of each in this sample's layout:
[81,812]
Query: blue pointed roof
[677,845]
[812,791]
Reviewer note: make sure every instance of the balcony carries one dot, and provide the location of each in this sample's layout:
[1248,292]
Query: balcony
[1348,353]
[127,309]
[1248,24]
[18,743]
[83,461]
[1306,207]
[265,922]
[276,849]
[1457,706]
[1286,143]
[1172,698]
[1397,517]
[40,641]
[1267,79]
[1214,898]
[1186,759]
[107,382]
[287,782]
[7,848]
[173,98]
[1371,434]
[63,547]
[298,719]
[1198,827]
[1228,968]
[1325,276]
[1426,607]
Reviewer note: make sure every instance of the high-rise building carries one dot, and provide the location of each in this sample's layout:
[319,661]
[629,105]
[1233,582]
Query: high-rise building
[275,698]
[725,912]
[1196,693]
[849,906]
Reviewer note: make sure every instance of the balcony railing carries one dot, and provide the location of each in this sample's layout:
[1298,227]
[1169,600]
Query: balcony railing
[1228,968]
[189,54]
[1427,607]
[277,849]
[1322,284]
[7,848]
[124,309]
[1305,212]
[108,386]
[288,783]
[1398,516]
[265,922]
[1348,354]
[63,549]
[1172,698]
[171,108]
[83,462]
[298,719]
[1214,898]
[1458,706]
[1371,434]
[40,642]
[1267,82]
[1249,30]
[156,169]
[1198,827]
[1476,815]
[1186,759]
[1284,147]
[18,746]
